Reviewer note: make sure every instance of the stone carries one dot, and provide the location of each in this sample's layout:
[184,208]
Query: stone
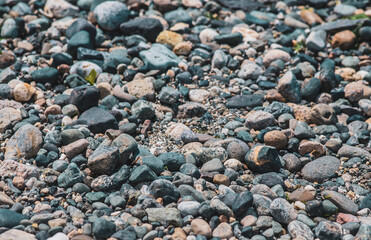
[342,202]
[189,208]
[158,57]
[344,39]
[25,143]
[161,188]
[259,120]
[199,95]
[84,97]
[243,101]
[70,176]
[7,59]
[223,231]
[173,161]
[60,8]
[310,17]
[263,159]
[328,230]
[170,215]
[344,9]
[84,68]
[250,70]
[275,139]
[299,230]
[23,92]
[143,110]
[111,14]
[44,75]
[320,169]
[16,234]
[79,25]
[8,115]
[141,88]
[201,227]
[242,203]
[191,109]
[170,38]
[80,39]
[10,28]
[103,228]
[103,160]
[147,27]
[141,174]
[312,147]
[169,95]
[98,120]
[219,59]
[282,211]
[275,54]
[316,41]
[214,165]
[10,218]
[289,87]
[302,194]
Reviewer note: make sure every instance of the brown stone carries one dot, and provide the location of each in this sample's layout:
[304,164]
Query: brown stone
[310,17]
[105,89]
[11,168]
[75,148]
[323,114]
[344,40]
[18,182]
[275,54]
[183,48]
[170,38]
[201,227]
[249,220]
[7,59]
[53,109]
[141,87]
[302,194]
[221,179]
[5,199]
[302,113]
[179,234]
[223,231]
[275,139]
[356,91]
[346,73]
[312,147]
[273,95]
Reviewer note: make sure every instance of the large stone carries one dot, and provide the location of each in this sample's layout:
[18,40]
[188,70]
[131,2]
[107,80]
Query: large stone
[159,57]
[259,120]
[14,234]
[60,8]
[98,120]
[201,227]
[342,202]
[142,87]
[84,97]
[25,143]
[7,116]
[146,27]
[168,215]
[283,211]
[10,168]
[110,14]
[275,54]
[289,87]
[103,160]
[321,169]
[10,218]
[262,159]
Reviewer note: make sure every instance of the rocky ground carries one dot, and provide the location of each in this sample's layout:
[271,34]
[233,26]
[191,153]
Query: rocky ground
[185,119]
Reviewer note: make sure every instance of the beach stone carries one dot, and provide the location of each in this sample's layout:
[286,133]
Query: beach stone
[143,110]
[169,95]
[250,70]
[282,211]
[327,230]
[356,91]
[201,227]
[141,174]
[60,8]
[223,230]
[170,215]
[9,28]
[161,188]
[300,230]
[147,27]
[316,41]
[320,169]
[342,202]
[275,54]
[289,87]
[263,159]
[84,97]
[11,168]
[84,68]
[25,143]
[44,75]
[260,120]
[98,120]
[103,228]
[110,14]
[16,234]
[10,218]
[170,38]
[103,160]
[199,95]
[7,116]
[312,147]
[159,57]
[23,92]
[275,139]
[344,9]
[344,39]
[191,109]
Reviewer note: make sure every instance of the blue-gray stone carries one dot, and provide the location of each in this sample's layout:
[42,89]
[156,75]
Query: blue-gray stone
[111,14]
[159,57]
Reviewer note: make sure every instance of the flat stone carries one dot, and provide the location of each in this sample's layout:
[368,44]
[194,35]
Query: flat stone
[342,202]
